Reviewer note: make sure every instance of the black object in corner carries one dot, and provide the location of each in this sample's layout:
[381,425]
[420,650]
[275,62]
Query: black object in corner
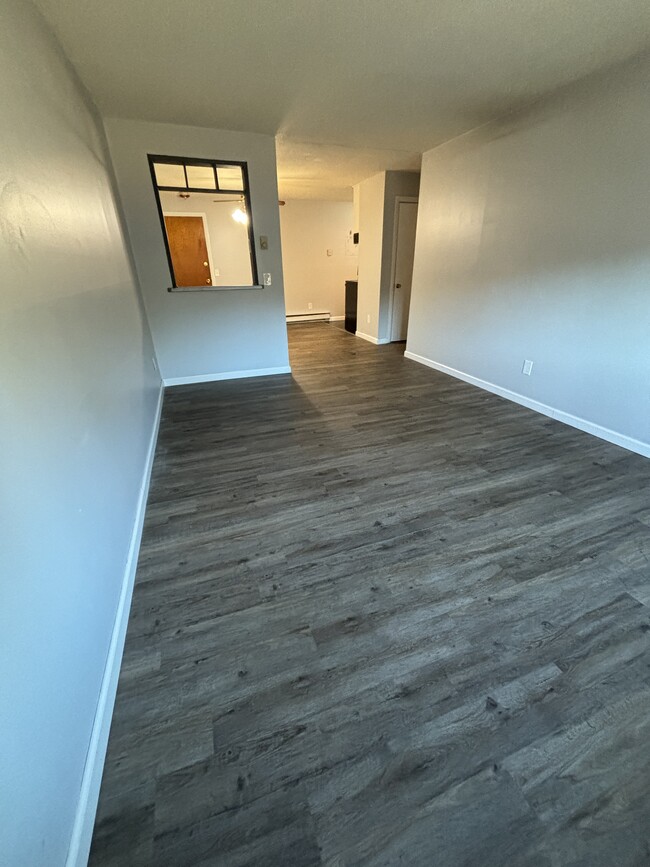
[351,288]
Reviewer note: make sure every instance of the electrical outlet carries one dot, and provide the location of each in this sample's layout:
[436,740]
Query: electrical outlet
[310,306]
[527,369]
[267,279]
[264,242]
[330,252]
[368,319]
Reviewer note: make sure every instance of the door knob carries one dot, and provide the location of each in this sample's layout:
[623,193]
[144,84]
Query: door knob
[208,281]
[206,264]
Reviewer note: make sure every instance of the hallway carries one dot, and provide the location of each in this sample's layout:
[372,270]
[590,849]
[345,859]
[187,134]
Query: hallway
[381,617]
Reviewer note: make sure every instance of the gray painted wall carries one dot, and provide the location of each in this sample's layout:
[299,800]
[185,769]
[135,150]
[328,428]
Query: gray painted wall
[78,398]
[375,202]
[533,243]
[203,334]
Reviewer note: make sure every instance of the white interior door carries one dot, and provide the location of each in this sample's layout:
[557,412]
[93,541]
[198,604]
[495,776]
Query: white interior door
[406,220]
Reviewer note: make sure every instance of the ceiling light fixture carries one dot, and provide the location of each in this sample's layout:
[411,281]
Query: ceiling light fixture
[240,216]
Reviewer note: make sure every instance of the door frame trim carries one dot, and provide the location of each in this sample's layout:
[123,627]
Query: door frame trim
[206,232]
[393,263]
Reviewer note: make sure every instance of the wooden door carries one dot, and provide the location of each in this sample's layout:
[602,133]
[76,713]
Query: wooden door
[407,214]
[189,251]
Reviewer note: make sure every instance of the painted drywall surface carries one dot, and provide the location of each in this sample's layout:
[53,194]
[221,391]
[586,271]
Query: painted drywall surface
[309,229]
[376,208]
[371,234]
[227,239]
[356,197]
[78,395]
[397,184]
[203,333]
[533,243]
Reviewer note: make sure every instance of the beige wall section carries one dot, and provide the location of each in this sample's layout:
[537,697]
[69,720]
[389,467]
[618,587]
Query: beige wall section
[219,333]
[371,235]
[309,228]
[533,243]
[355,207]
[376,207]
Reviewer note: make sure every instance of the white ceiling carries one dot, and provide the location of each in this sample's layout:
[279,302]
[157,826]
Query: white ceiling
[351,87]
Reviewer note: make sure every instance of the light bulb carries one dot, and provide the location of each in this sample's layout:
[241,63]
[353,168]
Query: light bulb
[240,216]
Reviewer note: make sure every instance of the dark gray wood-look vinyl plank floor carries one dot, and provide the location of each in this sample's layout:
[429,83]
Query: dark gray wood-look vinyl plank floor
[382,617]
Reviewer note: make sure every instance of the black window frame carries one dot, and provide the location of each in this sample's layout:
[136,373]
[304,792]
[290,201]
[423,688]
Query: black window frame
[196,161]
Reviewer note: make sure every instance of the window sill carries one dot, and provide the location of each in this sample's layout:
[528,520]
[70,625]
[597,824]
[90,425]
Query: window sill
[208,288]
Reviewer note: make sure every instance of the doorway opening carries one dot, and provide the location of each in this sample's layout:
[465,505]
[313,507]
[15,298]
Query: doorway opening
[319,258]
[406,212]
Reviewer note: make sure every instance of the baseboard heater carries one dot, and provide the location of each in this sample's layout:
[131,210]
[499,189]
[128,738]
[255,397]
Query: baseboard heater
[308,317]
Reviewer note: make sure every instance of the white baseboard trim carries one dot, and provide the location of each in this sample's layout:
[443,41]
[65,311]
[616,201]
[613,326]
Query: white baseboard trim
[308,317]
[231,374]
[378,341]
[603,433]
[337,318]
[82,830]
